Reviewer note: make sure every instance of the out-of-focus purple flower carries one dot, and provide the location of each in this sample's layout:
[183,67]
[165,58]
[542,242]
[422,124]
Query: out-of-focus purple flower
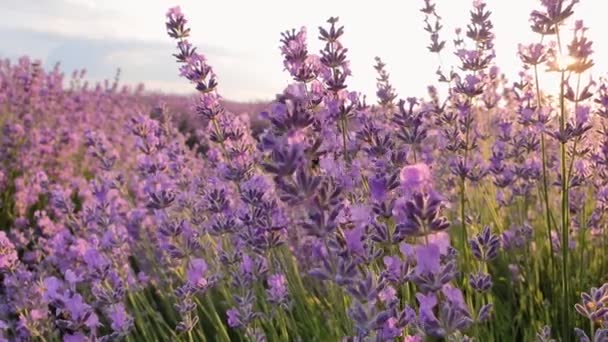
[3,327]
[51,288]
[77,337]
[547,22]
[388,295]
[416,177]
[196,273]
[8,254]
[580,49]
[413,338]
[389,330]
[378,188]
[354,240]
[427,317]
[599,336]
[360,215]
[395,269]
[98,264]
[516,236]
[441,240]
[544,335]
[454,296]
[533,54]
[120,321]
[484,314]
[234,320]
[81,313]
[277,291]
[556,240]
[427,258]
[515,273]
[72,278]
[433,270]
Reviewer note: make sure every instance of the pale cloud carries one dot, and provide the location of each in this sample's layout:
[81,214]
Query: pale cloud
[69,18]
[241,38]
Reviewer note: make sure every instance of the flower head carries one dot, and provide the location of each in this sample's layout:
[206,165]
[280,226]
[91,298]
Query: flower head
[278,291]
[176,23]
[196,274]
[8,254]
[416,177]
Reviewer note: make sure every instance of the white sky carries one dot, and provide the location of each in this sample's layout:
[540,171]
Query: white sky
[241,38]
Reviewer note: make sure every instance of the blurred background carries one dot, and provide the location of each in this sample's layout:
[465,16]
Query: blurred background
[241,39]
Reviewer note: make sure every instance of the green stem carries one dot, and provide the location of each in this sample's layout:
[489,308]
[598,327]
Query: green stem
[565,211]
[551,270]
[571,167]
[463,236]
[190,338]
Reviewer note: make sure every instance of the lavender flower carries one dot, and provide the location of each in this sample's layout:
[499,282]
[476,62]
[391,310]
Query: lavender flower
[485,245]
[8,254]
[277,291]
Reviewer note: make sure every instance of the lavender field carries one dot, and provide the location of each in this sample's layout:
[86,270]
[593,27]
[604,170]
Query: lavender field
[477,211]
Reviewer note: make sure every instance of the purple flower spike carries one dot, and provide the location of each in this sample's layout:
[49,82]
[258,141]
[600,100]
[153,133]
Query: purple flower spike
[421,215]
[121,321]
[480,282]
[433,270]
[176,23]
[594,304]
[485,245]
[8,254]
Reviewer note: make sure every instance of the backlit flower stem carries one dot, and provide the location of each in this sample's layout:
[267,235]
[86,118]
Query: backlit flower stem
[564,188]
[565,228]
[544,166]
[463,198]
[578,84]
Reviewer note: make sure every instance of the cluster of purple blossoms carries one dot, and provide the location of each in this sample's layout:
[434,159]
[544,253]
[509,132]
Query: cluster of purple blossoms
[409,219]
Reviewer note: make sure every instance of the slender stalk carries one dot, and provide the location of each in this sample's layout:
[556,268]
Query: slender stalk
[565,196]
[190,338]
[548,217]
[463,197]
[565,208]
[463,235]
[544,166]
